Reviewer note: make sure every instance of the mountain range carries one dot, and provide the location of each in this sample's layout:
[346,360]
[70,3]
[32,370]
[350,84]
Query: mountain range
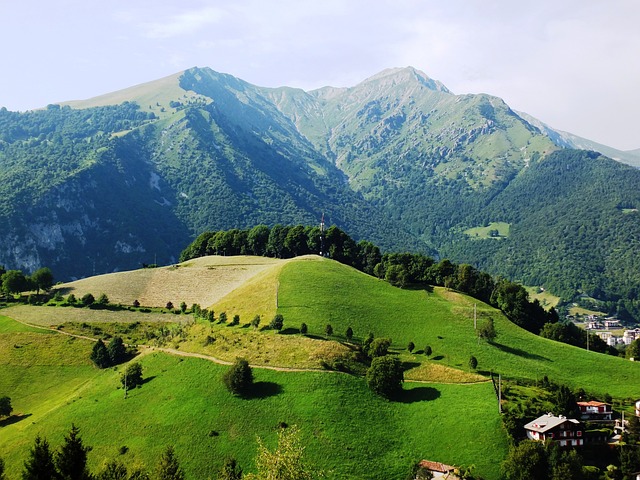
[131,177]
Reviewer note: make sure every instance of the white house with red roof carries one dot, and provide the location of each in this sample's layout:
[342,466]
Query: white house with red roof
[566,432]
[594,410]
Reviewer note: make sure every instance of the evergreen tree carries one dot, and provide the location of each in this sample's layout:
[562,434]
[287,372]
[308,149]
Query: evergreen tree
[349,333]
[255,323]
[71,460]
[411,346]
[169,467]
[117,351]
[103,300]
[473,362]
[328,330]
[303,328]
[277,323]
[88,299]
[39,465]
[428,351]
[239,378]
[100,355]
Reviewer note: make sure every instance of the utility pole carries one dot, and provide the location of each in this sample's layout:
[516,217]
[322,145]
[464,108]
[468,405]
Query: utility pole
[475,317]
[500,393]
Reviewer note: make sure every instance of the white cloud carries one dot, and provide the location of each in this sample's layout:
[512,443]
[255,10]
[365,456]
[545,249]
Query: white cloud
[183,23]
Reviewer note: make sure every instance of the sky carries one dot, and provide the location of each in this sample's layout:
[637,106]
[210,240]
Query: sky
[573,64]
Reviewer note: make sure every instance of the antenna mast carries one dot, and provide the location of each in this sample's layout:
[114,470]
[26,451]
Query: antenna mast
[322,235]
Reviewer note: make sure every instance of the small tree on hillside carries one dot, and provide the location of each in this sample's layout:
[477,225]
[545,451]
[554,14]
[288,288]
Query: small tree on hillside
[88,299]
[132,376]
[169,467]
[328,330]
[222,318]
[71,299]
[379,347]
[183,307]
[473,362]
[487,331]
[169,305]
[103,300]
[411,346]
[385,376]
[428,351]
[5,407]
[255,323]
[42,279]
[349,333]
[239,378]
[100,355]
[304,329]
[277,323]
[117,351]
[236,320]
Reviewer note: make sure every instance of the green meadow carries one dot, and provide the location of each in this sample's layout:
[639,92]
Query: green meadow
[348,431]
[450,416]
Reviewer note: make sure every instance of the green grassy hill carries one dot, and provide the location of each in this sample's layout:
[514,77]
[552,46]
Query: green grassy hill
[348,431]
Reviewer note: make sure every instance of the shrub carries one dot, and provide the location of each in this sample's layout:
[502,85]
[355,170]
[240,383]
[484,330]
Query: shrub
[239,378]
[385,376]
[277,323]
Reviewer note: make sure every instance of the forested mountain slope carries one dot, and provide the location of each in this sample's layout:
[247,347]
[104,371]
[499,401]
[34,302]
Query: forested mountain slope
[132,177]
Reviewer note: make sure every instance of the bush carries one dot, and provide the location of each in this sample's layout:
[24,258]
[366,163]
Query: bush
[304,329]
[277,323]
[87,300]
[239,378]
[255,323]
[385,376]
[132,376]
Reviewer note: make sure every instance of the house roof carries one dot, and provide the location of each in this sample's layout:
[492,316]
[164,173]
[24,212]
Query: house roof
[548,422]
[436,466]
[592,403]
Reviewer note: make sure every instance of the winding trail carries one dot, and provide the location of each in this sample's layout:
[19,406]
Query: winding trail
[147,349]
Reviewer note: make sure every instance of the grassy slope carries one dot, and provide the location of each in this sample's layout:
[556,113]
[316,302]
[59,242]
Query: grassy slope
[349,432]
[443,320]
[344,425]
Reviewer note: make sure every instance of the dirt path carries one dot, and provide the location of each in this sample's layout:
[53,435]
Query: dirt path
[147,349]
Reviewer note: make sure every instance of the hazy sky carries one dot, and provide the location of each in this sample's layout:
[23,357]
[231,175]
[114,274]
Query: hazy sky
[574,64]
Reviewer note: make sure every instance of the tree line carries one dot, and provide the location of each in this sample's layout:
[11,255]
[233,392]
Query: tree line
[399,269]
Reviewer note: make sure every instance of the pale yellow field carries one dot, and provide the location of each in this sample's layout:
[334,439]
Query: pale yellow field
[204,280]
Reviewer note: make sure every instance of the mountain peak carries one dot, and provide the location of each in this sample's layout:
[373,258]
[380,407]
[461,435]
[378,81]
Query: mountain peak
[398,75]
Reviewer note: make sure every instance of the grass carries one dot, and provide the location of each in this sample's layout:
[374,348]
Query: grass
[202,280]
[348,431]
[480,233]
[546,298]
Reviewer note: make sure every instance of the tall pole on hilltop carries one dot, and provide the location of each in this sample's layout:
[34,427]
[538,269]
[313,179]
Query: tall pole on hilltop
[322,235]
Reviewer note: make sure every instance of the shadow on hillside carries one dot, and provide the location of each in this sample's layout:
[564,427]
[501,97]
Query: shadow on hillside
[409,365]
[11,419]
[418,394]
[520,353]
[289,331]
[264,390]
[419,286]
[147,379]
[438,357]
